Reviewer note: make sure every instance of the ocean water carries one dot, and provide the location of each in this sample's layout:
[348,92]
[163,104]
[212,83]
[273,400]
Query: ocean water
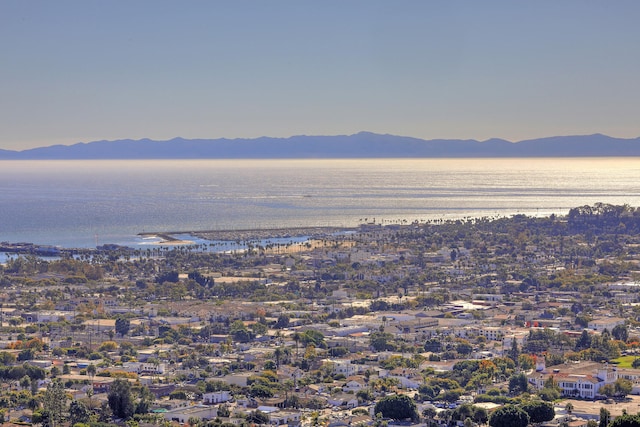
[84,203]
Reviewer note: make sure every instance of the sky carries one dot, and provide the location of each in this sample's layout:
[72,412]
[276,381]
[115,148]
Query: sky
[84,70]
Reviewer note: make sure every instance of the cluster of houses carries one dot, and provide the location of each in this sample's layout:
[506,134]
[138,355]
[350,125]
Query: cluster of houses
[493,320]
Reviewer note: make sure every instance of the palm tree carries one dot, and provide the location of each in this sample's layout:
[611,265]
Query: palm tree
[277,354]
[91,371]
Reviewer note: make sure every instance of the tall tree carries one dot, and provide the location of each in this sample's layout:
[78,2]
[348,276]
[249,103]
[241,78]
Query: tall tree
[518,384]
[122,325]
[584,341]
[514,352]
[78,413]
[605,417]
[54,402]
[120,399]
[620,332]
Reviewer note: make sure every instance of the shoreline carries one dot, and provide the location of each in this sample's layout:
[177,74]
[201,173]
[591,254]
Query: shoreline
[247,234]
[167,239]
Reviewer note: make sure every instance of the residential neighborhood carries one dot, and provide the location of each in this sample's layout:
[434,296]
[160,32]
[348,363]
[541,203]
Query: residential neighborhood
[436,323]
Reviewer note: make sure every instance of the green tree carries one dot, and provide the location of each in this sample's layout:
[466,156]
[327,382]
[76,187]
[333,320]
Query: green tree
[518,384]
[54,403]
[122,325]
[550,390]
[296,338]
[626,420]
[311,336]
[480,415]
[620,332]
[608,390]
[464,347]
[429,413]
[623,387]
[452,395]
[259,328]
[605,417]
[549,394]
[145,398]
[120,399]
[262,391]
[509,416]
[514,352]
[381,341]
[584,341]
[282,322]
[79,413]
[25,382]
[569,408]
[397,407]
[539,411]
[239,331]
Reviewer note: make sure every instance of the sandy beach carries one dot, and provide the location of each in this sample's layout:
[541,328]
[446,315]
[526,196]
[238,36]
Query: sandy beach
[267,233]
[167,239]
[316,237]
[247,235]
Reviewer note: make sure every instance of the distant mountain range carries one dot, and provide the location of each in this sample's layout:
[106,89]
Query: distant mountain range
[360,145]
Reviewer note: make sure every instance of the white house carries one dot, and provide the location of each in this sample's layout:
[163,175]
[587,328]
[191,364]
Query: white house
[182,415]
[578,381]
[354,384]
[291,418]
[216,397]
[602,323]
[144,367]
[343,366]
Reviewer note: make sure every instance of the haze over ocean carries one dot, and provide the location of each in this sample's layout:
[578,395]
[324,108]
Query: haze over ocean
[70,203]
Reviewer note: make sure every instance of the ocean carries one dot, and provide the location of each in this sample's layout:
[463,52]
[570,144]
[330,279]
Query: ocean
[85,203]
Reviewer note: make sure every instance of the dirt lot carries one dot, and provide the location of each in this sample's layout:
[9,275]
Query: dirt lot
[631,404]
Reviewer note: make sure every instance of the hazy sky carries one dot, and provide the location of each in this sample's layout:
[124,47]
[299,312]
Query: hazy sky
[87,70]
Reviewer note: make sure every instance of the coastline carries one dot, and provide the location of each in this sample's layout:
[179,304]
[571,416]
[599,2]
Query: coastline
[167,239]
[246,234]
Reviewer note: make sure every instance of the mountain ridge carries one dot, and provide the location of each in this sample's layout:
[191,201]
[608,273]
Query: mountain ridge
[359,145]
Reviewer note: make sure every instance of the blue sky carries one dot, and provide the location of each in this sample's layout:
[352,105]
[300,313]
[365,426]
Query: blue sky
[87,70]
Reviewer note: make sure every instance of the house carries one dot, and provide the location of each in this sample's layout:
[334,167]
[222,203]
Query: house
[407,378]
[216,397]
[239,379]
[602,323]
[182,415]
[354,384]
[347,400]
[343,366]
[578,380]
[291,418]
[144,368]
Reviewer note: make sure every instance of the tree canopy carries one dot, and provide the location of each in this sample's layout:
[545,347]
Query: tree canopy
[626,420]
[120,399]
[397,407]
[539,411]
[509,416]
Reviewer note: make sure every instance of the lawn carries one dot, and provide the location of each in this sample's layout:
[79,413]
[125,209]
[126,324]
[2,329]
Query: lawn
[624,361]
